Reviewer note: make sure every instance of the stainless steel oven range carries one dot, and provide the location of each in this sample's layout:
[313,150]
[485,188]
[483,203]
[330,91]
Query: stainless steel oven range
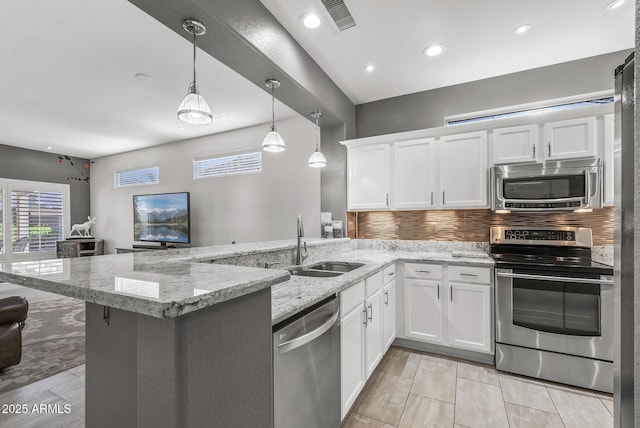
[554,306]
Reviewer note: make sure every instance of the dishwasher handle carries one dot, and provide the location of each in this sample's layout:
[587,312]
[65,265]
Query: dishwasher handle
[292,344]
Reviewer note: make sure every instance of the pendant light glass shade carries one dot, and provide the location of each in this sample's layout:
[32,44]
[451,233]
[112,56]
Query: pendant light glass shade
[194,109]
[273,142]
[317,159]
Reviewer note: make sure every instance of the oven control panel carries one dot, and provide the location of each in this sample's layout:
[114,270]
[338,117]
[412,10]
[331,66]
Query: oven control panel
[566,236]
[539,235]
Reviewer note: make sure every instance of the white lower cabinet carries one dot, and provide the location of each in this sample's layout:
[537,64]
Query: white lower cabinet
[423,310]
[361,340]
[373,332]
[453,310]
[469,316]
[389,314]
[352,340]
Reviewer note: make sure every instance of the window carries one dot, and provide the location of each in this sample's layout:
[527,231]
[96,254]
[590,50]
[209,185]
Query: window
[229,164]
[525,110]
[136,177]
[34,216]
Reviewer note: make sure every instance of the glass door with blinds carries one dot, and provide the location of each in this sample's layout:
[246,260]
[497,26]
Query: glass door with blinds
[34,216]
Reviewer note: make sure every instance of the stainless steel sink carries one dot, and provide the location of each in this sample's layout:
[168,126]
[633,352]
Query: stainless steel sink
[336,266]
[325,269]
[314,273]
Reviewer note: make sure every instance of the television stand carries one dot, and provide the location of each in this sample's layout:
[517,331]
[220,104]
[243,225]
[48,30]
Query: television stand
[162,246]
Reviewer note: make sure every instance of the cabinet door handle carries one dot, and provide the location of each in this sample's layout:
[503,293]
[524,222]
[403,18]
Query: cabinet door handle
[364,310]
[451,293]
[370,317]
[549,145]
[431,198]
[534,151]
[387,199]
[443,197]
[391,273]
[473,275]
[386,298]
[438,290]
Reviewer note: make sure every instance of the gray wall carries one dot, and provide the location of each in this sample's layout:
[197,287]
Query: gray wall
[241,208]
[32,165]
[429,108]
[334,179]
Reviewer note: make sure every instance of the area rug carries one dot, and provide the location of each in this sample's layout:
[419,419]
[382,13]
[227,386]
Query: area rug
[52,342]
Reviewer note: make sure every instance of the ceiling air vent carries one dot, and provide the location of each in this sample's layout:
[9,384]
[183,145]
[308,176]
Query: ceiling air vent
[340,14]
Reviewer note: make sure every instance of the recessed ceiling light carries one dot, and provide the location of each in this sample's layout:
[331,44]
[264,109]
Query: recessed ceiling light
[181,128]
[521,29]
[369,68]
[433,50]
[142,76]
[123,140]
[223,117]
[615,4]
[310,20]
[49,148]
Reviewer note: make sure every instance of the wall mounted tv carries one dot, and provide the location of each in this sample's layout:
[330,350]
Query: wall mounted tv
[162,217]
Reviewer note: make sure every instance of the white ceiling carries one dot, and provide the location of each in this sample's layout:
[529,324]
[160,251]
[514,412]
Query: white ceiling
[477,35]
[67,80]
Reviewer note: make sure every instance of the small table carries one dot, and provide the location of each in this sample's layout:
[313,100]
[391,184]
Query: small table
[79,247]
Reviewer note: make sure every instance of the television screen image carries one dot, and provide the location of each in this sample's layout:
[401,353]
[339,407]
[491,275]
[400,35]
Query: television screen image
[161,218]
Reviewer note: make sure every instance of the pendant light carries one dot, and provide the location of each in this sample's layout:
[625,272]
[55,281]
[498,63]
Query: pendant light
[317,159]
[193,108]
[273,141]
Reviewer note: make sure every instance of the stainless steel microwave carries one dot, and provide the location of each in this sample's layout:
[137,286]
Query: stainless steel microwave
[548,186]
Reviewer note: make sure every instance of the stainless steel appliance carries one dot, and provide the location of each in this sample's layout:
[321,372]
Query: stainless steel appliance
[306,368]
[624,235]
[554,306]
[548,186]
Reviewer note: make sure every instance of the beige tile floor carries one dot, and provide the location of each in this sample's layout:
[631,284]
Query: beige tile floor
[414,389]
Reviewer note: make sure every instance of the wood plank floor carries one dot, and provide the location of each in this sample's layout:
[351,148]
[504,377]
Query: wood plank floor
[408,389]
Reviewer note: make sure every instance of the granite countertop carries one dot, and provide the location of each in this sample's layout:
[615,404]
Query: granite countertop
[137,283]
[290,297]
[170,283]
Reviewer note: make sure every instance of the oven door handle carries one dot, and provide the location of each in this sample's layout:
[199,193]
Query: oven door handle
[555,278]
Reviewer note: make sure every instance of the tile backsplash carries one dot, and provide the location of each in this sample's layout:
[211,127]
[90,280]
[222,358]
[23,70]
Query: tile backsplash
[469,225]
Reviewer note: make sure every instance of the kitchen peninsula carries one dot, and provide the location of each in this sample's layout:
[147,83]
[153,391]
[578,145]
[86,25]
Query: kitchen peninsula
[168,342]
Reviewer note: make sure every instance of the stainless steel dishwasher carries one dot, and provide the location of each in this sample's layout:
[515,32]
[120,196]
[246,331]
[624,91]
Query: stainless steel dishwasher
[306,368]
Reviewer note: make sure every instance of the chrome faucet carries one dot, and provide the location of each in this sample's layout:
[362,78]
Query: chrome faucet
[300,258]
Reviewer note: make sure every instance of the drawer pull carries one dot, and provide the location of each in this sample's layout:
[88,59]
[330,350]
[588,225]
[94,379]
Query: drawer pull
[423,271]
[391,273]
[472,275]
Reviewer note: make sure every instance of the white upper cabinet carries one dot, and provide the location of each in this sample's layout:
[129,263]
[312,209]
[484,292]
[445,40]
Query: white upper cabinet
[414,174]
[463,165]
[368,179]
[516,144]
[567,139]
[608,159]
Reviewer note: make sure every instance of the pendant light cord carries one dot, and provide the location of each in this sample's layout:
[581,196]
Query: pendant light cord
[273,106]
[194,54]
[317,133]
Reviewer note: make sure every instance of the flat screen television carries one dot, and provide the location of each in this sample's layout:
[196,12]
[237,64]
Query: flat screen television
[162,217]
